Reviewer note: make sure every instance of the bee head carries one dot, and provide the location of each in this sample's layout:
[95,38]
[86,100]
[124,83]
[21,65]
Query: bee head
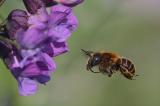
[95,58]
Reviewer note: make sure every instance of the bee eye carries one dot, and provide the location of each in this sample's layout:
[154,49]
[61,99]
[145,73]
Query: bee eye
[96,60]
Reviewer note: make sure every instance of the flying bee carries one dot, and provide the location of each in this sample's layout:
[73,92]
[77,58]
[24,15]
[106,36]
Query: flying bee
[109,63]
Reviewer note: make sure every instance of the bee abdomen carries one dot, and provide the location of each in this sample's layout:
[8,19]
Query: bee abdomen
[123,62]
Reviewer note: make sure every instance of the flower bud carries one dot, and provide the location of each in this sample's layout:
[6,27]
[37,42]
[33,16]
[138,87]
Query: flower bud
[33,5]
[16,20]
[70,3]
[49,3]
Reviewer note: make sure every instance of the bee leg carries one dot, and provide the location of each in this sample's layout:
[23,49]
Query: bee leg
[114,68]
[94,71]
[90,69]
[105,71]
[109,72]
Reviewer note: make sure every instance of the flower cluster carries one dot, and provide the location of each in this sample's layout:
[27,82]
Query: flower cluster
[34,37]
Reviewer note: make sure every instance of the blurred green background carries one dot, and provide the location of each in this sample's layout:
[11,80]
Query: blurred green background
[128,27]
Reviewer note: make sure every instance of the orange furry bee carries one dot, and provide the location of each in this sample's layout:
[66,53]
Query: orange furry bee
[110,63]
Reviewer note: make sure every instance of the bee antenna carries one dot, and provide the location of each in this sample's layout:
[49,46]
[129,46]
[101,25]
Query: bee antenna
[87,52]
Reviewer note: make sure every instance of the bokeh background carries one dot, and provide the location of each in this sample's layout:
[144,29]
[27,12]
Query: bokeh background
[128,27]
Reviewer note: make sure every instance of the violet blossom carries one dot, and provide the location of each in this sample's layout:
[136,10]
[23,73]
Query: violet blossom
[39,36]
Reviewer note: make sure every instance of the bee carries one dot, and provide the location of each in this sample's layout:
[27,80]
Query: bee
[109,63]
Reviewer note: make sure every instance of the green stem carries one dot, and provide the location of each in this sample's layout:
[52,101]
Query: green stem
[8,41]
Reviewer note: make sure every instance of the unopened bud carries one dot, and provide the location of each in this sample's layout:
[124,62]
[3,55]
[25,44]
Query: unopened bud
[16,20]
[33,5]
[70,3]
[49,3]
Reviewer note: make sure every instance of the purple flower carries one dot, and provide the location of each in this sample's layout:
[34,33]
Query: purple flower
[28,67]
[39,35]
[37,70]
[56,26]
[34,67]
[62,23]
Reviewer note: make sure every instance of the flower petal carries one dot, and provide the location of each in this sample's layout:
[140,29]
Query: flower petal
[37,71]
[41,66]
[59,33]
[49,61]
[60,48]
[27,86]
[62,23]
[55,48]
[39,20]
[31,38]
